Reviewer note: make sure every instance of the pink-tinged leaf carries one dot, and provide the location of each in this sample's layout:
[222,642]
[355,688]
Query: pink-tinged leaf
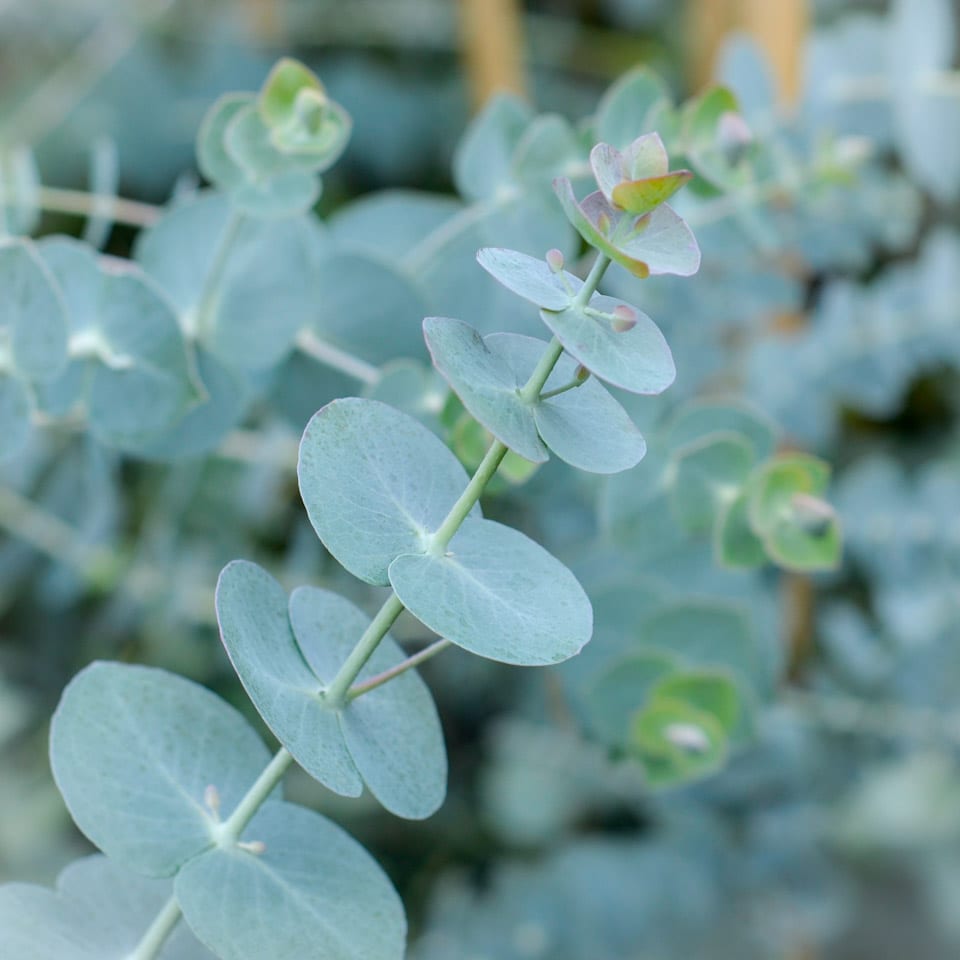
[664,242]
[658,242]
[624,318]
[641,196]
[592,229]
[575,213]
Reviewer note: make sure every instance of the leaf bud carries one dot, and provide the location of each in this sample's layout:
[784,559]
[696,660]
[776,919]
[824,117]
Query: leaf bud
[256,847]
[624,318]
[211,800]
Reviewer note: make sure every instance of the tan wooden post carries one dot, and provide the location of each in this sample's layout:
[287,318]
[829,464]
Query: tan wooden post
[492,44]
[779,26]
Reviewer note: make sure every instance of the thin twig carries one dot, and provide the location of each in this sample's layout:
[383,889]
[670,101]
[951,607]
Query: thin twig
[412,661]
[132,213]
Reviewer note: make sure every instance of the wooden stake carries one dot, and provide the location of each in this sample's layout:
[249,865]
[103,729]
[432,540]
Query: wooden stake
[492,44]
[780,27]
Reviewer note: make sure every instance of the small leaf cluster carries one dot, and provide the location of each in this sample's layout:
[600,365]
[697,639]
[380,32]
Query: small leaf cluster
[265,151]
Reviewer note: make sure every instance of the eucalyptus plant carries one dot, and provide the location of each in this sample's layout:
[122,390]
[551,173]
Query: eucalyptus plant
[169,781]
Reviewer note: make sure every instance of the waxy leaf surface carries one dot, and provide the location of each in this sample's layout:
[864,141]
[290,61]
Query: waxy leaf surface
[530,278]
[313,892]
[637,359]
[375,483]
[133,750]
[584,426]
[393,732]
[497,593]
[98,911]
[32,312]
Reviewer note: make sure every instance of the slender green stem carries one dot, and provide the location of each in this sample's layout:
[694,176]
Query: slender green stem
[471,494]
[336,693]
[218,267]
[438,646]
[158,931]
[228,833]
[594,277]
[253,799]
[531,389]
[572,385]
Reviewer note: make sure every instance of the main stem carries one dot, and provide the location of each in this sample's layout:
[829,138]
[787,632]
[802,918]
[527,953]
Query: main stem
[158,931]
[338,693]
[218,268]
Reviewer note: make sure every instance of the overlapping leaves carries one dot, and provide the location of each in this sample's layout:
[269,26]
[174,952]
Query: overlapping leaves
[377,485]
[147,761]
[266,150]
[286,655]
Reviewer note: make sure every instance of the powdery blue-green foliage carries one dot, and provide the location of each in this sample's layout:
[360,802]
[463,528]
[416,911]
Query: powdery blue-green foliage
[234,297]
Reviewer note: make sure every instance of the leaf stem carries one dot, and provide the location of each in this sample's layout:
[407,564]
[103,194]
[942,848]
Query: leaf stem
[158,931]
[254,798]
[572,385]
[132,213]
[336,693]
[218,267]
[471,494]
[438,646]
[592,281]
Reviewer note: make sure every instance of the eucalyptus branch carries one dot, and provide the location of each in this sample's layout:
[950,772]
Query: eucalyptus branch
[214,279]
[336,692]
[377,485]
[157,933]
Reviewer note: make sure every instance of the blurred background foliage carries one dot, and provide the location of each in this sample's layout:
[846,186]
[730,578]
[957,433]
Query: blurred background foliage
[824,319]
